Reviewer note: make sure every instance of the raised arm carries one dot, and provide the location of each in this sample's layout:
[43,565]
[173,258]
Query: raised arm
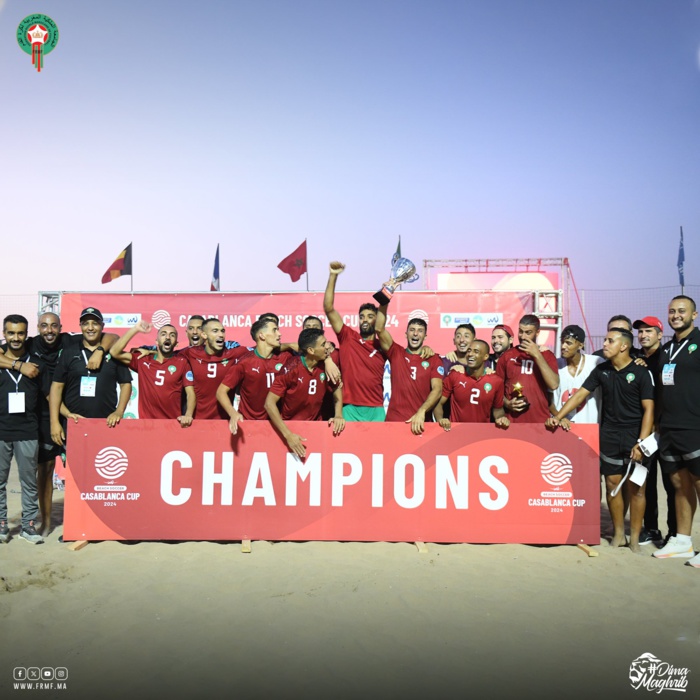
[332,315]
[385,339]
[118,349]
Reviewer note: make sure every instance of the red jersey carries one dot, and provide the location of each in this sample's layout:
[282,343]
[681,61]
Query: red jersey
[254,375]
[411,377]
[362,362]
[514,366]
[207,373]
[301,390]
[160,385]
[471,399]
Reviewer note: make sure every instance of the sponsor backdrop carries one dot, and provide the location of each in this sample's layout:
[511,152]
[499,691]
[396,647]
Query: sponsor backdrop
[153,480]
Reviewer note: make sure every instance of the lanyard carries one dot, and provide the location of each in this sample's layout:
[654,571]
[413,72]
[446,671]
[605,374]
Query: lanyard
[86,361]
[16,381]
[670,359]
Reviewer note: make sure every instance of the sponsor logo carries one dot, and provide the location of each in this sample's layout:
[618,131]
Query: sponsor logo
[121,320]
[160,318]
[478,320]
[655,675]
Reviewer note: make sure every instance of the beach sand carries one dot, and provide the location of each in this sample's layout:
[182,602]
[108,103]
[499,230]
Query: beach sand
[340,620]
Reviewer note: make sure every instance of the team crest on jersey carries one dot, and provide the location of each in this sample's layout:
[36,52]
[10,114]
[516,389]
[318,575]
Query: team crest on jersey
[441,370]
[425,364]
[224,363]
[487,387]
[278,367]
[630,378]
[172,369]
[692,348]
[323,376]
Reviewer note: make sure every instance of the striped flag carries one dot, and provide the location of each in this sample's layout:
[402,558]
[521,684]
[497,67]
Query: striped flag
[215,279]
[121,266]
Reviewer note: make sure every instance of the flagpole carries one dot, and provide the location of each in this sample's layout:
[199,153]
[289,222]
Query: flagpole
[131,276]
[307,266]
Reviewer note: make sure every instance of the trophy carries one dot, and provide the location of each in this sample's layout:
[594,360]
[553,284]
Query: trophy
[518,393]
[402,270]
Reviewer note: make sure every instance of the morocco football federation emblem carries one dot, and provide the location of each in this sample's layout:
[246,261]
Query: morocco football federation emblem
[37,35]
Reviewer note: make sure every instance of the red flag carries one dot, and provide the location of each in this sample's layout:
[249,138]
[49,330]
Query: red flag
[121,266]
[295,263]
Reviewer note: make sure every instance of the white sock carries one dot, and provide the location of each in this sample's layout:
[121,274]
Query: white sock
[684,539]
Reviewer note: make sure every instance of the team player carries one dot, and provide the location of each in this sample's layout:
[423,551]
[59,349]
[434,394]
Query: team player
[529,375]
[194,330]
[679,423]
[253,375]
[627,418]
[361,357]
[19,428]
[475,397]
[574,368]
[80,392]
[162,377]
[208,365]
[501,340]
[301,388]
[464,334]
[416,384]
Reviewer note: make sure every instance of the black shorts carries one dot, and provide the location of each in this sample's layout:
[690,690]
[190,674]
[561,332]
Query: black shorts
[49,451]
[680,449]
[615,447]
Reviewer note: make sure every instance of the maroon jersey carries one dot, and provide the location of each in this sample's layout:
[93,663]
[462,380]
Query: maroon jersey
[471,399]
[207,373]
[161,385]
[254,375]
[411,377]
[362,363]
[301,390]
[514,366]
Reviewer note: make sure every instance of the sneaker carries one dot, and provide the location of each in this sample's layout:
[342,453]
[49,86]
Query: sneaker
[4,531]
[645,536]
[30,534]
[656,536]
[695,561]
[674,549]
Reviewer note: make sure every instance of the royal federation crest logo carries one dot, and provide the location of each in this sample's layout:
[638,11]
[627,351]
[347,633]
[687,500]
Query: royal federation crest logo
[37,35]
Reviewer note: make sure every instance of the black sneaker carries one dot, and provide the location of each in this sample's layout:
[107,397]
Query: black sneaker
[645,536]
[4,531]
[30,534]
[656,535]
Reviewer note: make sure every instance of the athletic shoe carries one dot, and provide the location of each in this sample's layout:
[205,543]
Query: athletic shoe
[4,531]
[30,534]
[675,550]
[695,561]
[645,536]
[656,535]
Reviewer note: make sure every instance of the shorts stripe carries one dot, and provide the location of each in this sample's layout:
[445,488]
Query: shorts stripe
[610,460]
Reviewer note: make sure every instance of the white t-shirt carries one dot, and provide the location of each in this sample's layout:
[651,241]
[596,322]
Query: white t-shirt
[588,411]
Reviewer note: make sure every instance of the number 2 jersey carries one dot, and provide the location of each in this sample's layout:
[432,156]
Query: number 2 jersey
[472,399]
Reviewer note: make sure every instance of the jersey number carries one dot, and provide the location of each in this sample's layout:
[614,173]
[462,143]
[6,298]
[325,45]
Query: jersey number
[270,378]
[527,367]
[413,373]
[312,386]
[160,377]
[474,398]
[211,369]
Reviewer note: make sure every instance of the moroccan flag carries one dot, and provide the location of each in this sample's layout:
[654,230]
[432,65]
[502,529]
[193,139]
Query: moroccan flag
[215,279]
[121,266]
[295,263]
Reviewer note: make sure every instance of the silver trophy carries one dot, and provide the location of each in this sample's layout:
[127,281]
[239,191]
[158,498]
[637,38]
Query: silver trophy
[401,271]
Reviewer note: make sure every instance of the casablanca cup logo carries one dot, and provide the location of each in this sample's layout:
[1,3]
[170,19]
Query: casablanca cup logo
[160,318]
[655,675]
[556,469]
[37,35]
[111,463]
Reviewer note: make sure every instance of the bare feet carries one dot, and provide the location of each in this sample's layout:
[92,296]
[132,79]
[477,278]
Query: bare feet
[635,547]
[618,540]
[46,529]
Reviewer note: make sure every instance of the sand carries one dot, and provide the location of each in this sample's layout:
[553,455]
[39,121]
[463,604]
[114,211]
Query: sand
[340,620]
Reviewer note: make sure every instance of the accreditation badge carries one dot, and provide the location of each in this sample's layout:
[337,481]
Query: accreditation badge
[667,374]
[88,386]
[15,402]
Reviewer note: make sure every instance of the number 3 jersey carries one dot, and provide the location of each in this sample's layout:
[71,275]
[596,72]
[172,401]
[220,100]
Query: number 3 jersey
[160,385]
[472,399]
[516,366]
[301,390]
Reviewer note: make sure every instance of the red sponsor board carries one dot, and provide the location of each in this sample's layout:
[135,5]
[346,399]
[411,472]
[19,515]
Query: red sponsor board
[153,480]
[443,311]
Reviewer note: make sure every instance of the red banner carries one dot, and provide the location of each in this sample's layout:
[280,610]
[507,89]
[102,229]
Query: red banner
[153,480]
[443,311]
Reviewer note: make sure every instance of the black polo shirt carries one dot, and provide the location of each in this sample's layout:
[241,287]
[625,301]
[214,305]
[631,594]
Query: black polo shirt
[680,402]
[623,392]
[22,426]
[70,370]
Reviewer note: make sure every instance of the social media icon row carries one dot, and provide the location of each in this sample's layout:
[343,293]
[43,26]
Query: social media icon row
[34,673]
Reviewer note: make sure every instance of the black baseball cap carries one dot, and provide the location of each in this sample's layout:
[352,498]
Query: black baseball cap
[575,332]
[93,312]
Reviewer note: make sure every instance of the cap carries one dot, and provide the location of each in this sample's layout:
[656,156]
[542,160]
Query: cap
[92,311]
[507,329]
[648,321]
[575,332]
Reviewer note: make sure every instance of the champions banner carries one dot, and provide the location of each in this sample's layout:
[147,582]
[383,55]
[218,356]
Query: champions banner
[153,480]
[443,312]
